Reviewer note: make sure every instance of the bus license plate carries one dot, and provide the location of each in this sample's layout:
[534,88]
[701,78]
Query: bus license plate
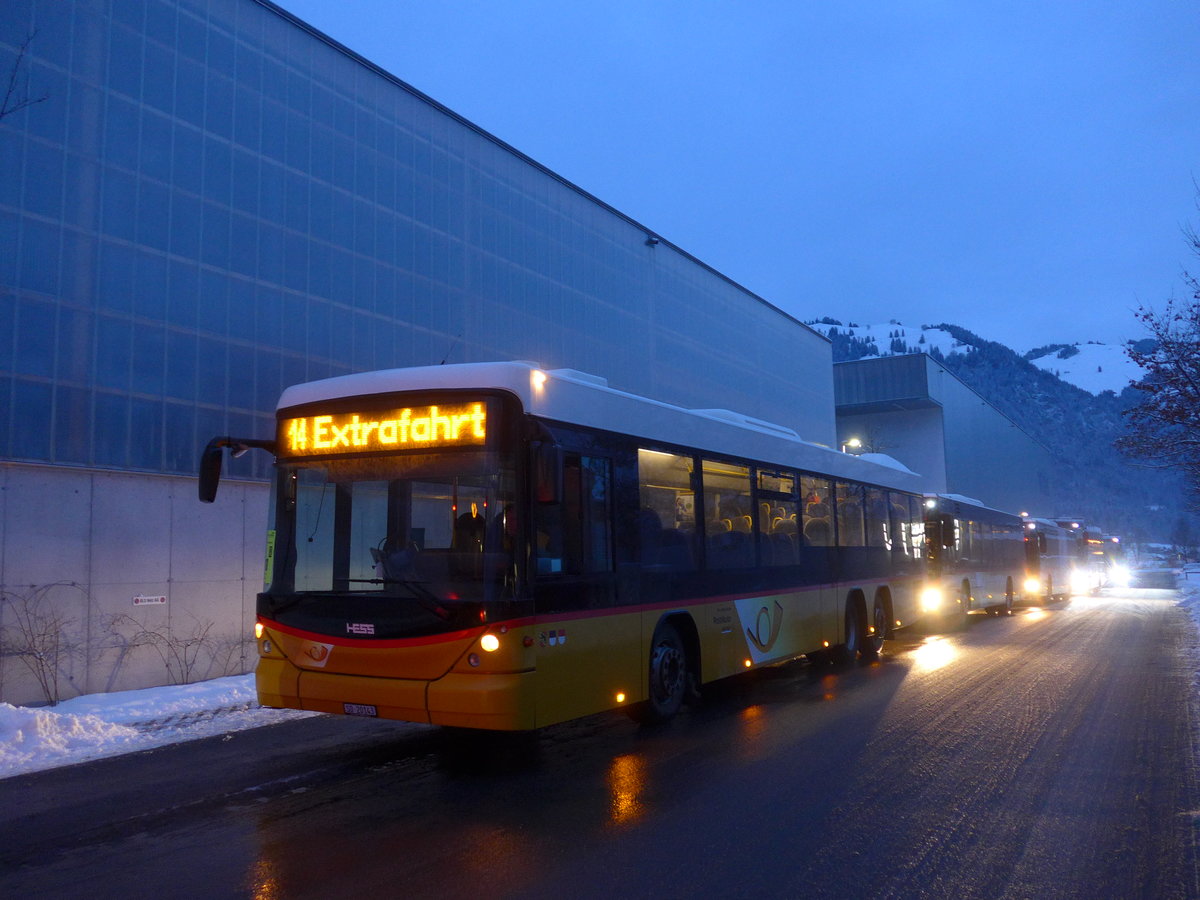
[359,709]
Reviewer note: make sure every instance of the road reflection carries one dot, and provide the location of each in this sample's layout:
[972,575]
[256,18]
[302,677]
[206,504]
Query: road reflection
[626,786]
[934,653]
[264,880]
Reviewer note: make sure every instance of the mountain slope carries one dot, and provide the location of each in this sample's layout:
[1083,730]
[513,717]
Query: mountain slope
[1077,426]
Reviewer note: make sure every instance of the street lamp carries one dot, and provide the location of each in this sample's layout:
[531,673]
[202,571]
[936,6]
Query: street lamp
[852,446]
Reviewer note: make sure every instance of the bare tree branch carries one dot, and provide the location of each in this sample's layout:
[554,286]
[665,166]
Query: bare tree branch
[16,99]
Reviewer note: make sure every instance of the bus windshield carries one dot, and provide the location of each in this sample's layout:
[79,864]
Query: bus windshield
[438,528]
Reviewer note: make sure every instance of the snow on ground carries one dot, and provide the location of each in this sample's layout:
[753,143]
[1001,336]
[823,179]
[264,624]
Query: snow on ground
[99,725]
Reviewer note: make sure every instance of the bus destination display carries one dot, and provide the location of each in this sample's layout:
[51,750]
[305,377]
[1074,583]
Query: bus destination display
[409,428]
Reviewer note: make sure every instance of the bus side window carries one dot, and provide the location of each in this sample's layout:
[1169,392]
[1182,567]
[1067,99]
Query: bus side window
[667,518]
[878,527]
[817,529]
[849,499]
[574,535]
[729,515]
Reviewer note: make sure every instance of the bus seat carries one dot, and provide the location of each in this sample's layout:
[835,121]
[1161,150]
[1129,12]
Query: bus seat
[676,550]
[818,533]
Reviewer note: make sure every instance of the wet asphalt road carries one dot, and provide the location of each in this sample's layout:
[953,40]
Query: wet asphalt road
[1047,754]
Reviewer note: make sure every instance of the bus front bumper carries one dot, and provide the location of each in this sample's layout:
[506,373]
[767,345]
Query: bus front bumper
[499,702]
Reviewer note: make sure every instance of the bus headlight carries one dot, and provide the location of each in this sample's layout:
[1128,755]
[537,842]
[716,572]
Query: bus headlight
[1080,583]
[490,643]
[1033,586]
[931,599]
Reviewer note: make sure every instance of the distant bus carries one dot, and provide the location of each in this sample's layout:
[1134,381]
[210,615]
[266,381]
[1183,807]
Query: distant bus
[975,555]
[502,547]
[1090,569]
[1050,558]
[1106,554]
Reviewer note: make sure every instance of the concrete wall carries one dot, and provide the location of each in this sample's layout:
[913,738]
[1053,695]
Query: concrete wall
[988,456]
[912,408]
[78,546]
[913,436]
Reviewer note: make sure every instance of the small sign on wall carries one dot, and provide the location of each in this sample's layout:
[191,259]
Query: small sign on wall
[139,600]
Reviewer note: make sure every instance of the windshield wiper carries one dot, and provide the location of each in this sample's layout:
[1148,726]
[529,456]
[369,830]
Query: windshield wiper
[425,598]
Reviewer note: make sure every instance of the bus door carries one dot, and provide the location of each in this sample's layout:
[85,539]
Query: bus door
[583,649]
[818,552]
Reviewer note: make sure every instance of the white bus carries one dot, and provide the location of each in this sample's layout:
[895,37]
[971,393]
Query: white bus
[976,558]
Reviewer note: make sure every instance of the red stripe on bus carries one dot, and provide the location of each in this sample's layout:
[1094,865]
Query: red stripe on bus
[448,637]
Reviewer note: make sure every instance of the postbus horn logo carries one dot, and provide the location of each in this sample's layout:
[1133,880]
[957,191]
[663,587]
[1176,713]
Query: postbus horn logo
[766,628]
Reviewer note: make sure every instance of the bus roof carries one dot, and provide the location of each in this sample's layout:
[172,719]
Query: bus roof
[569,396]
[959,505]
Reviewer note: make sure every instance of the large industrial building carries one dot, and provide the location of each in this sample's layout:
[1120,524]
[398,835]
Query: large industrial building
[205,201]
[912,408]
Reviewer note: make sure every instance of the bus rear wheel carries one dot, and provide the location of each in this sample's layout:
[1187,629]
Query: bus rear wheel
[668,677]
[873,642]
[856,633]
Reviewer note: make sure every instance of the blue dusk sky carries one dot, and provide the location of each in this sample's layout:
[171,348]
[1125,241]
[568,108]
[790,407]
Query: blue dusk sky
[1023,169]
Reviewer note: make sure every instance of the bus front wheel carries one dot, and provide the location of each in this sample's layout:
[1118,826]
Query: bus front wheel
[668,676]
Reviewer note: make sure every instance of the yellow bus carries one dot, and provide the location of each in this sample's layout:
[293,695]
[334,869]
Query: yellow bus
[498,546]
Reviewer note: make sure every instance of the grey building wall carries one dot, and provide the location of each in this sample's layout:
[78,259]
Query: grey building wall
[913,436]
[88,556]
[912,408]
[213,201]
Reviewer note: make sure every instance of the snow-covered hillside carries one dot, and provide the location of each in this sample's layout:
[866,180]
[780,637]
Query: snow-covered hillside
[1091,366]
[1094,367]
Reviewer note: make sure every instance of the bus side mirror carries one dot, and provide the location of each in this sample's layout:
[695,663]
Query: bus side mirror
[210,470]
[210,461]
[547,472]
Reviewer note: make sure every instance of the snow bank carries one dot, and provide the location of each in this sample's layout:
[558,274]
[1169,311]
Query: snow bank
[1189,590]
[32,739]
[99,725]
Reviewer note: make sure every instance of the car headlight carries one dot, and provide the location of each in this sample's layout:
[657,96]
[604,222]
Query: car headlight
[1120,576]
